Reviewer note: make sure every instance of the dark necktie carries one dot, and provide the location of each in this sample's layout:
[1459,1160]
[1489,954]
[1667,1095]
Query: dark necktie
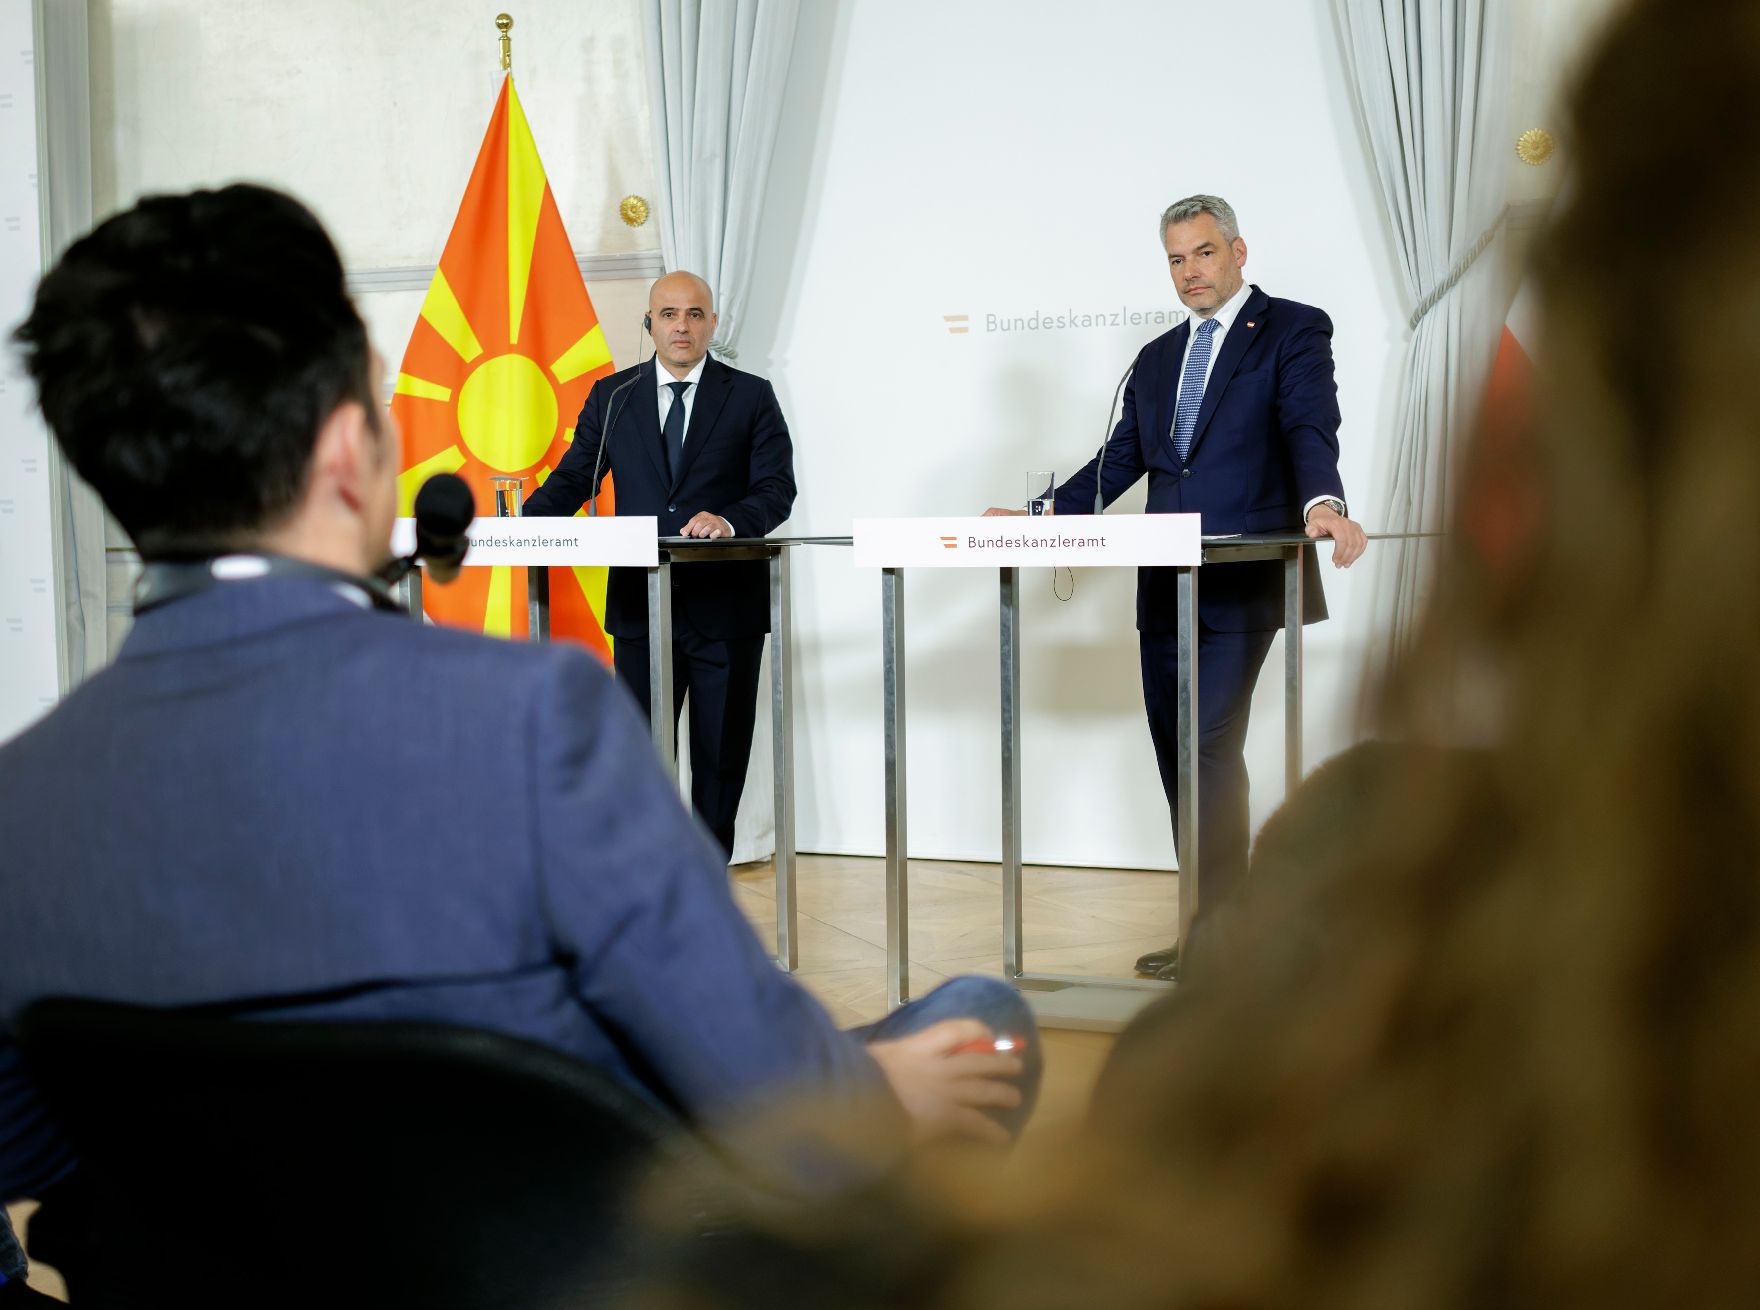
[674,432]
[1191,390]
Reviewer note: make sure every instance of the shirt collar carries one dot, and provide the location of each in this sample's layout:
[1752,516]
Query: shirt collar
[691,379]
[1231,309]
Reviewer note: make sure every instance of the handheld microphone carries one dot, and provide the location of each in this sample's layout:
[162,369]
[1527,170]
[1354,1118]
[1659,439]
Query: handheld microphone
[1106,436]
[605,432]
[443,511]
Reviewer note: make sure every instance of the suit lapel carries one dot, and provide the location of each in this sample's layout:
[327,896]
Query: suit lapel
[1241,335]
[1156,420]
[712,392]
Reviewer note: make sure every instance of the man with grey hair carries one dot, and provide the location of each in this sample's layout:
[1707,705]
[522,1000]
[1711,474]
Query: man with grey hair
[1232,415]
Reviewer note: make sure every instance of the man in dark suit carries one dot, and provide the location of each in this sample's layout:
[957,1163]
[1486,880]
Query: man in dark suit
[703,448]
[284,798]
[1233,415]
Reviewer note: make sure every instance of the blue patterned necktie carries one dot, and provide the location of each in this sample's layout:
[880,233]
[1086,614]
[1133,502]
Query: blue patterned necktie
[1191,390]
[674,432]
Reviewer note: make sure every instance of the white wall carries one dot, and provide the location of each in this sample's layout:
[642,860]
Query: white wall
[372,114]
[29,674]
[994,158]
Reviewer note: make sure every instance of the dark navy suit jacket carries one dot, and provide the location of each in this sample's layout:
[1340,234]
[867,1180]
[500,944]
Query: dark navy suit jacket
[274,793]
[1266,443]
[738,463]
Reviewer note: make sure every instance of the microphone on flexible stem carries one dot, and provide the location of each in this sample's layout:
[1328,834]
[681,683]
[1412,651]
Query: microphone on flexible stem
[1106,436]
[605,433]
[443,511]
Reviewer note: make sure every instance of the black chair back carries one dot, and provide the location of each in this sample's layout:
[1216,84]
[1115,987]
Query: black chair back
[265,1163]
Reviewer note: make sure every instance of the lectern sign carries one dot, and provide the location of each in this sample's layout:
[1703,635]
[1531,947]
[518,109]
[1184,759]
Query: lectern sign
[559,542]
[1073,541]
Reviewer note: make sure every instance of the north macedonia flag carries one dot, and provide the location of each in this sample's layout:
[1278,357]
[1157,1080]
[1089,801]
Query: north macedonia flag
[499,364]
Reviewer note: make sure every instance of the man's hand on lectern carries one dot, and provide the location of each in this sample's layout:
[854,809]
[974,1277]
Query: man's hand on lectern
[944,1091]
[1348,538]
[707,525]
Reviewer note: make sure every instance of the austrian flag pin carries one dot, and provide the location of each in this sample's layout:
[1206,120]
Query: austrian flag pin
[1250,323]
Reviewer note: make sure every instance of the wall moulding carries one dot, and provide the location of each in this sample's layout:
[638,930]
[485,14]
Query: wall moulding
[629,265]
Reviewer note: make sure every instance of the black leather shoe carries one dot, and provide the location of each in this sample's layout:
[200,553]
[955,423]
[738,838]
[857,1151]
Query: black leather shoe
[1155,961]
[1168,972]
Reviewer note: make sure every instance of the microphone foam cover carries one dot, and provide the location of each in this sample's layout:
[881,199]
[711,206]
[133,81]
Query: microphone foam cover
[445,505]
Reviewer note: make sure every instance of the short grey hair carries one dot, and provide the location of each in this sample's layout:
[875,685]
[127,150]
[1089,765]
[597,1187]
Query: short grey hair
[1184,211]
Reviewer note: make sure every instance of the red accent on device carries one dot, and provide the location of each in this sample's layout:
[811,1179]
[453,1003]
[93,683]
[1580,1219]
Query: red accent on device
[987,1045]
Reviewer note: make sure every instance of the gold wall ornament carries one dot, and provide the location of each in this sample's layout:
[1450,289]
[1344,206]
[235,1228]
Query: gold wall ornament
[1535,146]
[504,25]
[633,211]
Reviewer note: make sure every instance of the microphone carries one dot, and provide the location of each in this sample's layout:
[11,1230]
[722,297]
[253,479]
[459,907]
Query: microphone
[443,511]
[605,432]
[604,437]
[1106,436]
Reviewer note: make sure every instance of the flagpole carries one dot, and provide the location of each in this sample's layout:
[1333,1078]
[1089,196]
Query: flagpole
[504,25]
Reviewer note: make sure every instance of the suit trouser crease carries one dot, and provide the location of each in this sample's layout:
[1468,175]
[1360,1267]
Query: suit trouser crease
[1228,670]
[722,679]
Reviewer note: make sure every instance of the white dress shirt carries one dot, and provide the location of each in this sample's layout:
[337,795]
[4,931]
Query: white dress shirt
[664,386]
[1224,317]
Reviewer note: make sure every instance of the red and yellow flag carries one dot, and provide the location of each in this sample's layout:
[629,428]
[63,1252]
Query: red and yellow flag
[502,357]
[1500,508]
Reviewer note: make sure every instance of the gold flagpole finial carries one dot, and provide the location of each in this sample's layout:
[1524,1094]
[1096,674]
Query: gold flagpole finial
[504,25]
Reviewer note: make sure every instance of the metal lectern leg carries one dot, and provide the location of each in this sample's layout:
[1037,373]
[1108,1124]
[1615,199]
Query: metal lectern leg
[782,752]
[411,586]
[1292,669]
[898,969]
[661,719]
[537,602]
[1012,952]
[1186,604]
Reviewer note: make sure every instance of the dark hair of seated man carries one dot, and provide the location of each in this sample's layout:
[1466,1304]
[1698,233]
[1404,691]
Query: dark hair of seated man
[215,331]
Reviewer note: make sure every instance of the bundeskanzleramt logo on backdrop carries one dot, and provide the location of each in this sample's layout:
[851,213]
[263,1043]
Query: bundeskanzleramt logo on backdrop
[1067,319]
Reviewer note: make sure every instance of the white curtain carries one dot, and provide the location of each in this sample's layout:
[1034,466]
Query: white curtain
[1430,79]
[64,81]
[716,74]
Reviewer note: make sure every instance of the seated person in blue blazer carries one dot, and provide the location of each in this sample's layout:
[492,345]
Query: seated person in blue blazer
[1232,415]
[283,796]
[703,449]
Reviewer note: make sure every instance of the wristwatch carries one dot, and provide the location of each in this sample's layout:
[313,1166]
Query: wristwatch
[1333,502]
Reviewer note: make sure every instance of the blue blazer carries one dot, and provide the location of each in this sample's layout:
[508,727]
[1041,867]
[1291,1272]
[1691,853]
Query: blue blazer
[1266,444]
[274,796]
[738,463]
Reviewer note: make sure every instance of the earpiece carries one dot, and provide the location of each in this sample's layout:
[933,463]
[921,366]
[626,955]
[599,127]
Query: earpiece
[647,322]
